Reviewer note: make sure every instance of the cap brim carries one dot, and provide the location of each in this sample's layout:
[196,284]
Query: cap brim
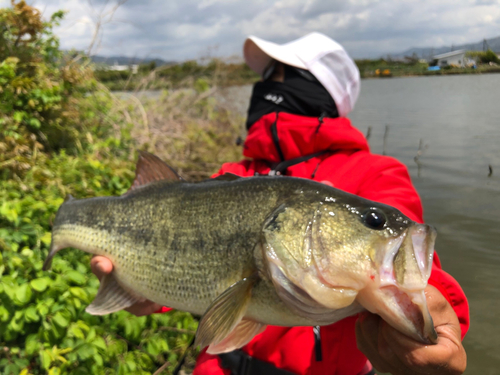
[258,53]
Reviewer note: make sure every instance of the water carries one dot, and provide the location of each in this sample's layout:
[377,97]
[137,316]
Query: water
[458,118]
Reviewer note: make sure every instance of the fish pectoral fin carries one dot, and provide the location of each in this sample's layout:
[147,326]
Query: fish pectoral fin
[111,297]
[225,313]
[239,336]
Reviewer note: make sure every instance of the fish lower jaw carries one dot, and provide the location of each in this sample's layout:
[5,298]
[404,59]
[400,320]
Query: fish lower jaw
[405,311]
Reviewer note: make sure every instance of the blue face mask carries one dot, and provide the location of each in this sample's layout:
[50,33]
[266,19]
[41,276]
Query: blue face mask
[297,94]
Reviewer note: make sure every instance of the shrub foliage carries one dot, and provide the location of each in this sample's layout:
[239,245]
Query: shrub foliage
[60,133]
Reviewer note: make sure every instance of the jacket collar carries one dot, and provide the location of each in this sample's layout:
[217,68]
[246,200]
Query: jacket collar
[300,136]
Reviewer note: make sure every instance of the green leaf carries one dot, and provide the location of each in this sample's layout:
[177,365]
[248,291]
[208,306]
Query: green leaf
[60,320]
[40,284]
[31,315]
[45,358]
[18,116]
[46,238]
[91,335]
[23,294]
[75,277]
[32,344]
[4,314]
[153,348]
[122,369]
[132,366]
[98,359]
[11,369]
[99,343]
[34,122]
[145,361]
[85,351]
[79,293]
[75,331]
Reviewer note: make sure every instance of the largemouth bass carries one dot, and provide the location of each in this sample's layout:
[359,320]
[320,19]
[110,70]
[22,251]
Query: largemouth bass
[248,252]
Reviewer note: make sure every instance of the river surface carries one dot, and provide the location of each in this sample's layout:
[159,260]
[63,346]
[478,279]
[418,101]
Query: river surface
[455,121]
[458,120]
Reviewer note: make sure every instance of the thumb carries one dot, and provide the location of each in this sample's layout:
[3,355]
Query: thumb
[101,266]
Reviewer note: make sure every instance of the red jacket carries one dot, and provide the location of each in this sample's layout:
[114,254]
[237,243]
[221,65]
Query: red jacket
[348,166]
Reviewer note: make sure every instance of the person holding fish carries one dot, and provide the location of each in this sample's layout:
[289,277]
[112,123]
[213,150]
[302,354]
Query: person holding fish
[297,127]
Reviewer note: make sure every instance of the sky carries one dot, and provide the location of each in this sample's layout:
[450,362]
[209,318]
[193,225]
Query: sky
[177,30]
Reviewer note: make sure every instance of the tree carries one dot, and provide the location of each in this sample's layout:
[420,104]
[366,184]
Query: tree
[41,89]
[490,56]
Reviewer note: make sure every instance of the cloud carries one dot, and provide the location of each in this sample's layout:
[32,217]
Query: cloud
[179,30]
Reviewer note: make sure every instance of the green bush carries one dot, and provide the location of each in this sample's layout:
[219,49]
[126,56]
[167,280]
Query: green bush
[61,133]
[183,75]
[490,56]
[484,57]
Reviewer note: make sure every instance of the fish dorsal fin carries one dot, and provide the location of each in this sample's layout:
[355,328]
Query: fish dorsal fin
[151,168]
[227,177]
[111,297]
[225,313]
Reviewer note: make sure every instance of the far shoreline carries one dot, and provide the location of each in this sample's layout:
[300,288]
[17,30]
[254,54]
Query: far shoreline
[223,75]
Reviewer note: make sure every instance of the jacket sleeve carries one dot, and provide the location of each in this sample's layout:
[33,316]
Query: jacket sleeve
[387,181]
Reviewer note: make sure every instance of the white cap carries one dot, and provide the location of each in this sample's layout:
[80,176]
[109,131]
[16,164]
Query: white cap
[323,57]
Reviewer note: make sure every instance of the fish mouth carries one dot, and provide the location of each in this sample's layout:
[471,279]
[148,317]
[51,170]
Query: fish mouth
[406,312]
[397,294]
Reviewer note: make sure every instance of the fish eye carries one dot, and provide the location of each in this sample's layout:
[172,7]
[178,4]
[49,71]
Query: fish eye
[374,218]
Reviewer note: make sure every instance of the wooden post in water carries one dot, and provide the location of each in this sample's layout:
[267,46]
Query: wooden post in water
[368,133]
[386,134]
[420,152]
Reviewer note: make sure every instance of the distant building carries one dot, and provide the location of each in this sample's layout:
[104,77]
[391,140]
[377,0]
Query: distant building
[456,58]
[133,68]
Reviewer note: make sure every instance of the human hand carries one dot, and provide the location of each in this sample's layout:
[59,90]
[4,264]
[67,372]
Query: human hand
[390,351]
[101,266]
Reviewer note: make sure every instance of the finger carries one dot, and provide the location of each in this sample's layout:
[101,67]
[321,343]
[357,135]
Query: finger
[426,358]
[448,350]
[143,308]
[391,352]
[367,333]
[101,266]
[444,317]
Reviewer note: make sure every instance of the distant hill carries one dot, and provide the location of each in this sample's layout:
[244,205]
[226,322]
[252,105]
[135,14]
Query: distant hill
[428,52]
[125,60]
